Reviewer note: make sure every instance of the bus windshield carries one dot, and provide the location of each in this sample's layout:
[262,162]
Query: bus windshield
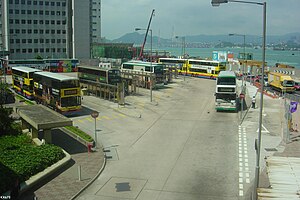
[69,84]
[226,81]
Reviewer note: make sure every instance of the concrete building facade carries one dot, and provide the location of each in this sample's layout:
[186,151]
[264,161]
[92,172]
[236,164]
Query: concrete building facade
[49,28]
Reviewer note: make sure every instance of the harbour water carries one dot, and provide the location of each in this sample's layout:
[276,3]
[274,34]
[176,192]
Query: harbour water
[291,58]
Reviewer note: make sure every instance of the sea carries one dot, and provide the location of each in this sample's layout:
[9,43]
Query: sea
[291,58]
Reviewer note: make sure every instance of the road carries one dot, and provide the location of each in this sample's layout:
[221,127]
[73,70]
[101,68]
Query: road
[175,148]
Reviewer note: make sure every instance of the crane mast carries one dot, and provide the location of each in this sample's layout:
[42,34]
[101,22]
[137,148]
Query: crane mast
[142,49]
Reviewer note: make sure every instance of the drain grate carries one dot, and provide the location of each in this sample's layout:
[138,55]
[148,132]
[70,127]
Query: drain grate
[270,149]
[122,187]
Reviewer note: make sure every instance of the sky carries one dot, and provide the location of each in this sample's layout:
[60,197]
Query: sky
[196,17]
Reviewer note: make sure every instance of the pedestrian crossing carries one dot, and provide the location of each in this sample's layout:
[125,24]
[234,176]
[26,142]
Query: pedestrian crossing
[84,119]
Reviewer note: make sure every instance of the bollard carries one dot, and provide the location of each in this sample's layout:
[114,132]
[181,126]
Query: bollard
[79,172]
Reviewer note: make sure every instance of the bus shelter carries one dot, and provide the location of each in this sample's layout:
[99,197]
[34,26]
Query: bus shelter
[37,118]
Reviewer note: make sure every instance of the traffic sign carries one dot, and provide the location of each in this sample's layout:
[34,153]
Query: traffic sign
[95,114]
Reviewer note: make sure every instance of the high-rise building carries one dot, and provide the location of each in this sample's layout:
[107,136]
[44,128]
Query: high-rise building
[49,28]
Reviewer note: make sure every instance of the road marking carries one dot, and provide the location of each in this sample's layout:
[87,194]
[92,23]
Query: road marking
[105,117]
[264,130]
[80,121]
[121,115]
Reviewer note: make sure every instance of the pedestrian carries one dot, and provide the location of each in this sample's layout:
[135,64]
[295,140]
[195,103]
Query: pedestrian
[253,102]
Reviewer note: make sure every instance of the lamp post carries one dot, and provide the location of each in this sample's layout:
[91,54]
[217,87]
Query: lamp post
[183,53]
[243,71]
[258,141]
[138,29]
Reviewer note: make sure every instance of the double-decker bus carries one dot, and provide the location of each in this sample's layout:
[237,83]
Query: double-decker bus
[226,91]
[174,63]
[61,65]
[136,66]
[60,92]
[205,68]
[109,76]
[22,80]
[33,63]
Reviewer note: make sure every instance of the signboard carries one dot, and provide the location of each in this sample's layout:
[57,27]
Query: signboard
[220,56]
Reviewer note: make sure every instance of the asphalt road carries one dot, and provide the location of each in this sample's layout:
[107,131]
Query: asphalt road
[176,147]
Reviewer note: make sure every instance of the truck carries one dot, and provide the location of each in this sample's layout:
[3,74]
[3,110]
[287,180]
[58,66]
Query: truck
[281,82]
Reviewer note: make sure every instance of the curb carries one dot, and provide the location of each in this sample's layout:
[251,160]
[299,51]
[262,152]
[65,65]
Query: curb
[91,181]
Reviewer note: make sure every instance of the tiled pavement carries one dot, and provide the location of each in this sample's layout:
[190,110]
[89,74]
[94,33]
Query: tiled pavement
[65,183]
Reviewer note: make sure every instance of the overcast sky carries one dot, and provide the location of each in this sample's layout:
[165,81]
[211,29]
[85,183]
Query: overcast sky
[195,17]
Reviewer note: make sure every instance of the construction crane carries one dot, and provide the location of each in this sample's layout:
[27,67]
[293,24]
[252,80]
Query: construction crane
[142,49]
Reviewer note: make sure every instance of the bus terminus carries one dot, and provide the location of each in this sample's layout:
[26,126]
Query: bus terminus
[99,74]
[205,68]
[22,80]
[226,91]
[60,92]
[140,67]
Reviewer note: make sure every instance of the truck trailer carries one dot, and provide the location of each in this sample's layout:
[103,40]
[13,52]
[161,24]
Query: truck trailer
[281,82]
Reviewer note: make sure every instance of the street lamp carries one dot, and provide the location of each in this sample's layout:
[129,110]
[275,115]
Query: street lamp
[138,29]
[243,70]
[183,53]
[258,141]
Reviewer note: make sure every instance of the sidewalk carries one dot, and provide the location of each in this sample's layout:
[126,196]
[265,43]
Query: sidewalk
[65,184]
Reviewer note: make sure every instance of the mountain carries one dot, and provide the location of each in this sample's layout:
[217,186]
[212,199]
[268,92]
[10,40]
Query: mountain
[137,39]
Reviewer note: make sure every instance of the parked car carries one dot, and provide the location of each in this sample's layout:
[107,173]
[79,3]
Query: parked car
[297,85]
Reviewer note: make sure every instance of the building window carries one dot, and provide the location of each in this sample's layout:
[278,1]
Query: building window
[23,21]
[63,4]
[35,21]
[23,31]
[11,31]
[47,22]
[23,12]
[42,50]
[23,41]
[12,41]
[17,31]
[58,50]
[29,50]
[16,1]
[12,51]
[64,22]
[35,12]
[52,31]
[47,3]
[41,31]
[11,21]
[58,22]
[34,2]
[47,31]
[35,31]
[17,12]
[23,2]
[63,13]
[11,11]
[29,21]
[58,31]
[17,21]
[63,31]
[57,12]
[46,12]
[52,3]
[58,41]
[41,3]
[41,40]
[64,41]
[18,41]
[10,1]
[36,50]
[28,2]
[52,21]
[52,12]
[29,31]
[41,21]
[17,50]
[41,12]
[47,41]
[36,41]
[64,50]
[52,41]
[29,41]
[29,12]
[57,3]
[47,50]
[53,50]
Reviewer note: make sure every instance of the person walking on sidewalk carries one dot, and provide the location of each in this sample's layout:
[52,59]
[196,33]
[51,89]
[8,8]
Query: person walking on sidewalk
[253,102]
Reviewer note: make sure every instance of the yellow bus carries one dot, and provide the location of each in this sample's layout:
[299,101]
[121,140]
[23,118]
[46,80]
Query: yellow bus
[204,68]
[22,80]
[60,92]
[174,63]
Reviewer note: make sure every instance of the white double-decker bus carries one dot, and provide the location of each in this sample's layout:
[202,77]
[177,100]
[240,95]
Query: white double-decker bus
[226,91]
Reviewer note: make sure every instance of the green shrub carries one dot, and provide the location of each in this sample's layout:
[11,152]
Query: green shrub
[80,133]
[20,158]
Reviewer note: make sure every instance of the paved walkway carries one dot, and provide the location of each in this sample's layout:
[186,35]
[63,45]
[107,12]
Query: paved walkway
[65,183]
